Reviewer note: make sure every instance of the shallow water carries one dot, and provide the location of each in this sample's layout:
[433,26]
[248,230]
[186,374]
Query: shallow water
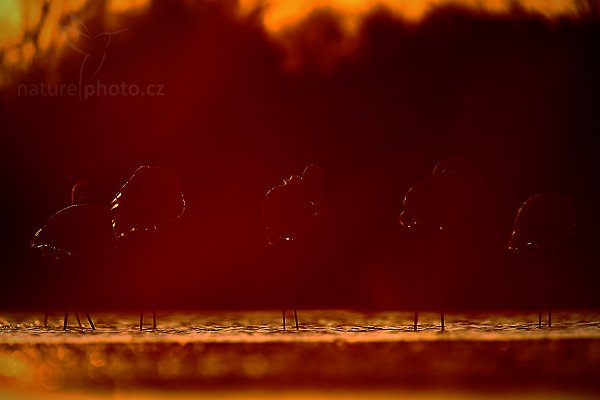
[339,353]
[319,326]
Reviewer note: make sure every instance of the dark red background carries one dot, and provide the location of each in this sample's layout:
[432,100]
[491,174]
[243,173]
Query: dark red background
[517,95]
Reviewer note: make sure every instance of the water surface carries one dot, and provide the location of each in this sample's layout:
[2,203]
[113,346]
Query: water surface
[335,353]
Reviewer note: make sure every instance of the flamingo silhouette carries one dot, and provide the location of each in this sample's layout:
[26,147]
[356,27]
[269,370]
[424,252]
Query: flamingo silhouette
[93,47]
[440,203]
[543,221]
[151,198]
[76,233]
[289,211]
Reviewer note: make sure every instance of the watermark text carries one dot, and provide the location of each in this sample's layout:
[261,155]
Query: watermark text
[88,90]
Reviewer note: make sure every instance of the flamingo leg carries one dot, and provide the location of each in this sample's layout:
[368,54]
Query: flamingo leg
[147,245]
[547,294]
[542,300]
[46,319]
[78,320]
[152,247]
[283,315]
[442,320]
[296,318]
[90,320]
[66,321]
[420,255]
[416,321]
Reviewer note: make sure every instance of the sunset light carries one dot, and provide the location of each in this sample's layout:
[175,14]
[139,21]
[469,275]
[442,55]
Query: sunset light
[299,199]
[282,14]
[45,26]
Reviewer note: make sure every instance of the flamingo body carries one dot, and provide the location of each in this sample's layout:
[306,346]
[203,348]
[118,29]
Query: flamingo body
[289,211]
[150,198]
[444,200]
[544,220]
[83,229]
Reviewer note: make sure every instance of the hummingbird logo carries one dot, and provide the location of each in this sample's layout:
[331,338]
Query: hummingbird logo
[93,47]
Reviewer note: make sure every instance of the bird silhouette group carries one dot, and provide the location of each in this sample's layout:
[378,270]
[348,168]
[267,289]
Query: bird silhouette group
[151,198]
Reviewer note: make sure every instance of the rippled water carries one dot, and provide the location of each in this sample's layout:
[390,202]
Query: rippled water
[329,325]
[333,350]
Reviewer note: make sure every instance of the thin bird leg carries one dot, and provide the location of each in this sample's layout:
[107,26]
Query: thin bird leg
[151,244]
[90,320]
[291,281]
[541,277]
[46,319]
[420,252]
[294,307]
[444,248]
[142,261]
[66,320]
[283,314]
[296,318]
[78,320]
[416,321]
[547,292]
[442,320]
